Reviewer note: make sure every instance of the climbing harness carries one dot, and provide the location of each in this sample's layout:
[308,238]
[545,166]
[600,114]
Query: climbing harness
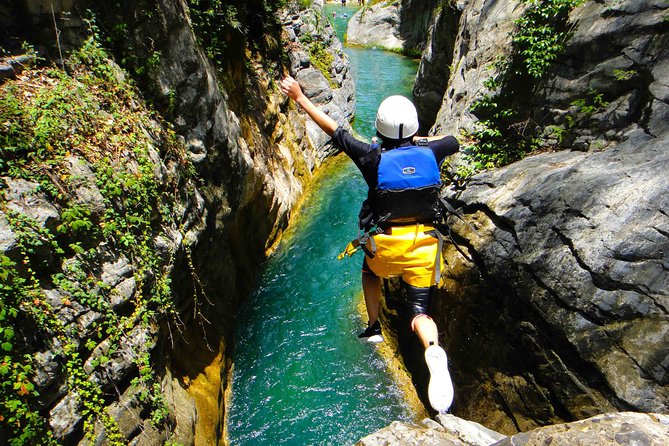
[402,251]
[361,243]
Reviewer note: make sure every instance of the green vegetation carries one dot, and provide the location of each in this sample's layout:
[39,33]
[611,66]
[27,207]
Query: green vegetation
[46,119]
[505,133]
[225,28]
[322,59]
[319,55]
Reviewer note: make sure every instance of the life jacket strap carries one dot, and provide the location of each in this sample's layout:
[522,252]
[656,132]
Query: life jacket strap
[361,243]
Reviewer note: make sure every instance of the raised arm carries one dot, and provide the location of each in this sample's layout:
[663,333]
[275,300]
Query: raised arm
[291,88]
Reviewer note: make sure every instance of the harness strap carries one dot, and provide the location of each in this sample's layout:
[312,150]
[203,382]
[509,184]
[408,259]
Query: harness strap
[451,210]
[363,239]
[437,262]
[361,243]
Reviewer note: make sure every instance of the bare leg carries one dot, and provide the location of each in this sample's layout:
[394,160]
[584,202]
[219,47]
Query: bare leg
[371,288]
[426,330]
[440,388]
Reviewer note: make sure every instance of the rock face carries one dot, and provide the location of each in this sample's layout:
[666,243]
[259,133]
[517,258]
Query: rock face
[250,157]
[558,309]
[483,34]
[377,26]
[333,91]
[395,26]
[619,428]
[628,69]
[565,289]
[433,71]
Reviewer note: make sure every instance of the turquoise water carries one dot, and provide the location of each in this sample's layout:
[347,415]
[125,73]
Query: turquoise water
[301,377]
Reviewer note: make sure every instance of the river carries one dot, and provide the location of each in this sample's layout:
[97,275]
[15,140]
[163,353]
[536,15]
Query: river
[300,375]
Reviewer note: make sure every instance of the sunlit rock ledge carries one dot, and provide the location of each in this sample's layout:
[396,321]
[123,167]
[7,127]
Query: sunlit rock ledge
[625,428]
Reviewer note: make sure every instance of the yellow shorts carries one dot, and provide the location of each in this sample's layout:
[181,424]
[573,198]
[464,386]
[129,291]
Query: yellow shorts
[407,252]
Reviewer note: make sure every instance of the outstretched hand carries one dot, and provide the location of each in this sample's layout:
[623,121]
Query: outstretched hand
[291,88]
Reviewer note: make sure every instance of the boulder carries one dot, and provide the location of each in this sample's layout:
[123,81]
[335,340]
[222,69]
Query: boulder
[626,428]
[559,305]
[395,26]
[377,26]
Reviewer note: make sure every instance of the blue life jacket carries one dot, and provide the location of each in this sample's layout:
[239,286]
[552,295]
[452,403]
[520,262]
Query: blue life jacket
[408,186]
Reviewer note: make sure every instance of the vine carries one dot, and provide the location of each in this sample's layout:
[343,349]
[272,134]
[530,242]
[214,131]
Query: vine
[504,132]
[215,22]
[46,119]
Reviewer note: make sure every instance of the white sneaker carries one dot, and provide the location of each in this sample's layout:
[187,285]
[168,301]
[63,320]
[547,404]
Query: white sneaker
[440,389]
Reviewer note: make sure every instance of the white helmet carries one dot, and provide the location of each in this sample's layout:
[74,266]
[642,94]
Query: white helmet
[397,118]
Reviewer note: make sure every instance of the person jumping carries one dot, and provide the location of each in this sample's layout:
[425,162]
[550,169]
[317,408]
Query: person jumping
[397,219]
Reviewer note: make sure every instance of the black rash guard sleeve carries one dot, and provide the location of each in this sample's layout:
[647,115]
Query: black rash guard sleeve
[444,147]
[364,155]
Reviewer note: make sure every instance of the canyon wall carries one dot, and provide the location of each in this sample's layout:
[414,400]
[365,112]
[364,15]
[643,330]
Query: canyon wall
[393,25]
[128,329]
[556,309]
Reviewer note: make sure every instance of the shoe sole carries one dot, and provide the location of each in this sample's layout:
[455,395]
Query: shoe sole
[440,389]
[373,339]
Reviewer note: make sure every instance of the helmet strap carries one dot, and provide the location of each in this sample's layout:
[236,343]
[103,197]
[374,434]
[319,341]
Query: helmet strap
[401,130]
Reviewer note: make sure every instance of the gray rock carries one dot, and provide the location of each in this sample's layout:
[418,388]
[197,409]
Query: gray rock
[416,17]
[7,237]
[47,370]
[338,100]
[396,26]
[122,293]
[83,181]
[114,272]
[483,35]
[626,428]
[434,69]
[403,434]
[65,418]
[376,26]
[578,241]
[24,197]
[251,155]
[119,363]
[469,432]
[314,85]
